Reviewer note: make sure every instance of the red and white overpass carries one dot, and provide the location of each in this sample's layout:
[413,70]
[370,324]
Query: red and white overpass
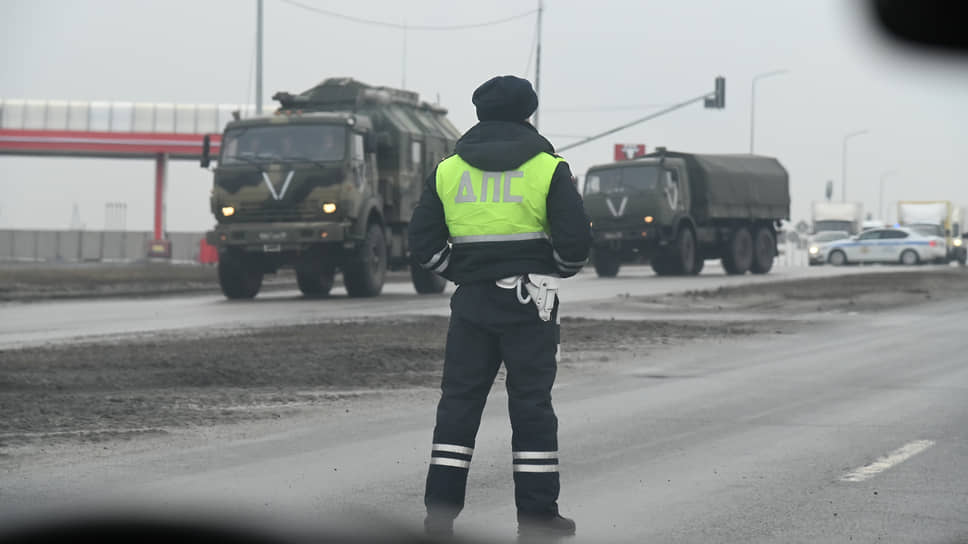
[116,130]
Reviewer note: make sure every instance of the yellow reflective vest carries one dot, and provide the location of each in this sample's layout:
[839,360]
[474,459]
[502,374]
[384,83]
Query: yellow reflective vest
[505,206]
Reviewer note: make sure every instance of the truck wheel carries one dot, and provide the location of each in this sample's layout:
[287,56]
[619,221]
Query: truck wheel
[700,263]
[426,282]
[238,275]
[607,263]
[764,249]
[683,259]
[364,273]
[315,281]
[662,265]
[739,252]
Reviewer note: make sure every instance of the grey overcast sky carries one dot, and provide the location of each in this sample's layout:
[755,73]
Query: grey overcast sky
[602,54]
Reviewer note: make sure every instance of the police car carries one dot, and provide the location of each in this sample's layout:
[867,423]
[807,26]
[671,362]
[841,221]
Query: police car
[820,242]
[890,245]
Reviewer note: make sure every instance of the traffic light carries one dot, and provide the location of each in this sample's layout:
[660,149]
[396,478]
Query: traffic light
[718,100]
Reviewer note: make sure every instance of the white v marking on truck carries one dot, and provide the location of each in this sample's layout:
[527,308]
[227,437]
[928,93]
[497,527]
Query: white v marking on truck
[621,207]
[272,189]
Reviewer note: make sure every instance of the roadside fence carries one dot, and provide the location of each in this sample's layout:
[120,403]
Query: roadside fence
[92,245]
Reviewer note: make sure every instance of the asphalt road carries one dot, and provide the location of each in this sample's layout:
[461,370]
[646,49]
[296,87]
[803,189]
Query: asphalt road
[853,430]
[33,323]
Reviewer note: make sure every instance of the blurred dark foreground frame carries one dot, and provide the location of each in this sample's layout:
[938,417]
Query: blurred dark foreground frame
[935,24]
[167,527]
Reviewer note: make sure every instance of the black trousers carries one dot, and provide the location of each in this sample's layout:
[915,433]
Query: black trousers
[489,326]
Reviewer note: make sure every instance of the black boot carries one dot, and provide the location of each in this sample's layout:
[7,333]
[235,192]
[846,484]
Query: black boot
[548,526]
[439,526]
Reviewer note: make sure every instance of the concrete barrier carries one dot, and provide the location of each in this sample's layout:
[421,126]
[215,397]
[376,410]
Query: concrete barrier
[136,244]
[113,246]
[7,244]
[77,245]
[45,242]
[91,245]
[23,246]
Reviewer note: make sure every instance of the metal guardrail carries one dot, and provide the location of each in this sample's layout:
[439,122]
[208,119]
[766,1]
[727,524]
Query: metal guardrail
[100,116]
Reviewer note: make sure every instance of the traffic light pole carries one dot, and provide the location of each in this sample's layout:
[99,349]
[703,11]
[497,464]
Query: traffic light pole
[717,101]
[633,123]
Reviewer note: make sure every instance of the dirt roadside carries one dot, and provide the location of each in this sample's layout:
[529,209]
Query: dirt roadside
[95,392]
[138,387]
[30,282]
[849,293]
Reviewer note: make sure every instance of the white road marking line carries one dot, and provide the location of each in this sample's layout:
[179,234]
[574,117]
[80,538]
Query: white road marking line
[896,457]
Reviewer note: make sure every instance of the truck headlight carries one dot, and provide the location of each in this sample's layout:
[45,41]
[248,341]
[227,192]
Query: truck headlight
[329,207]
[958,242]
[228,211]
[814,250]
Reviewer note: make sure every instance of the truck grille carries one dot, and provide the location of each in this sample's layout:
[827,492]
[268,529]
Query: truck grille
[266,213]
[621,223]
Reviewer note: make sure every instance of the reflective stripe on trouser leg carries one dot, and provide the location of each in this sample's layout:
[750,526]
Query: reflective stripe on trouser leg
[529,355]
[535,461]
[471,362]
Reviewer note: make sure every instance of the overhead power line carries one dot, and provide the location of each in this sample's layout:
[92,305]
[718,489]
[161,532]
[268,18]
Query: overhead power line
[400,26]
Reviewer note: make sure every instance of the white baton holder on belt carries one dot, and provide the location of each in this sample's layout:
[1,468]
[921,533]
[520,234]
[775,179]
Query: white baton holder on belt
[542,290]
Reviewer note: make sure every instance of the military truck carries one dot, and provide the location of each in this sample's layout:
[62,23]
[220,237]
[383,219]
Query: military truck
[675,210]
[325,184]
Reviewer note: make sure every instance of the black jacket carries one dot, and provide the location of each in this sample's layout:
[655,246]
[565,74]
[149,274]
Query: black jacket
[497,146]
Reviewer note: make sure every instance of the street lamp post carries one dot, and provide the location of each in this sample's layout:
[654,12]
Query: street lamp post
[843,163]
[258,59]
[880,201]
[753,100]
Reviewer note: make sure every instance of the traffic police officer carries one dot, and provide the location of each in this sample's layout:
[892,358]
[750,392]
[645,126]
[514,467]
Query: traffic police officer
[502,207]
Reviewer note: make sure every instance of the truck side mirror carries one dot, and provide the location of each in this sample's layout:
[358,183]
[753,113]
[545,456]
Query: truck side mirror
[369,143]
[206,147]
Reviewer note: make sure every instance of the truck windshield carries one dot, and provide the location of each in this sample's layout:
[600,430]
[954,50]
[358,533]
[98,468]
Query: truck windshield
[630,178]
[284,142]
[830,236]
[821,226]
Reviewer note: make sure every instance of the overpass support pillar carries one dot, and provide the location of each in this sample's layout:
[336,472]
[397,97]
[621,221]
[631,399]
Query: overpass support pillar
[159,247]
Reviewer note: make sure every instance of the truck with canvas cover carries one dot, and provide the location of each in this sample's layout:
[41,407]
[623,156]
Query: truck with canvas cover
[935,218]
[325,184]
[678,209]
[837,216]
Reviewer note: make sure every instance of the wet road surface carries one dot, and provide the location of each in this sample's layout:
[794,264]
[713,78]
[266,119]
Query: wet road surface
[856,430]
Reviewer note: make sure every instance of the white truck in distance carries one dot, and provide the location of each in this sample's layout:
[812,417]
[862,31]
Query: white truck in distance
[838,216]
[934,218]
